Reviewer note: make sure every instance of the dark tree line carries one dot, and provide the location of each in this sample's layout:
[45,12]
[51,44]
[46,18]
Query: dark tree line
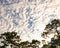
[13,40]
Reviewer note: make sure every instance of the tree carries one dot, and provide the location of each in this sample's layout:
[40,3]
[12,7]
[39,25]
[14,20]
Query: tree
[10,38]
[46,46]
[53,27]
[35,43]
[24,44]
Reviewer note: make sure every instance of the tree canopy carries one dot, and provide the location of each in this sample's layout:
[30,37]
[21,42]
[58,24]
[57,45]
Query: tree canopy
[12,39]
[52,27]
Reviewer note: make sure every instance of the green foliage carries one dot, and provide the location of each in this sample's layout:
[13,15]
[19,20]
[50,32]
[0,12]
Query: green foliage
[33,44]
[9,35]
[15,42]
[53,25]
[10,38]
[46,46]
[35,41]
[24,44]
[55,42]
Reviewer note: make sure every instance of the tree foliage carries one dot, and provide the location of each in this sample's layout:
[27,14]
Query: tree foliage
[33,44]
[12,39]
[53,27]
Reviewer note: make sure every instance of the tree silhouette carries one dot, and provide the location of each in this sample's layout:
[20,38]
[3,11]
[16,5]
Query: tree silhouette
[52,27]
[35,43]
[10,38]
[24,44]
[46,46]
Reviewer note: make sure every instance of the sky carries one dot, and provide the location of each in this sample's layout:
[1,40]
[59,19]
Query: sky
[28,17]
